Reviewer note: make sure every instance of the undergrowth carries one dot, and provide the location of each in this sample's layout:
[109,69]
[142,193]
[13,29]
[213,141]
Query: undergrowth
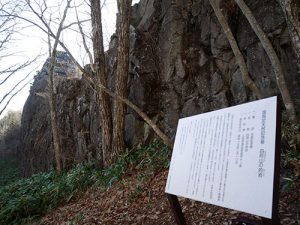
[9,170]
[25,200]
[290,154]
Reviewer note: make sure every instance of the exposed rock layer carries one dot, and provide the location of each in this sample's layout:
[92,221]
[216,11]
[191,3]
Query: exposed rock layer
[180,64]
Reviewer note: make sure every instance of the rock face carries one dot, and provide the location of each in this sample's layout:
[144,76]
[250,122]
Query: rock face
[181,64]
[78,120]
[181,54]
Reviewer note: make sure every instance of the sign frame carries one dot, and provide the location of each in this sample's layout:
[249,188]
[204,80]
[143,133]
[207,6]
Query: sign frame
[176,207]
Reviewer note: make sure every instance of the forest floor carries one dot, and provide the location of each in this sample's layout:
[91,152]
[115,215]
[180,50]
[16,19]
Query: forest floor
[140,200]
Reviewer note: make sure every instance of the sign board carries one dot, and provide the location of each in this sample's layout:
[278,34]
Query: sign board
[226,157]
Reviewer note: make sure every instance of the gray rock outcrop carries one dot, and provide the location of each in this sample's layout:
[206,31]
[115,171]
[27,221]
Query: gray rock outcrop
[181,64]
[78,120]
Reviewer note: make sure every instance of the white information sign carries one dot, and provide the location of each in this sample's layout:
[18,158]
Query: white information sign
[226,157]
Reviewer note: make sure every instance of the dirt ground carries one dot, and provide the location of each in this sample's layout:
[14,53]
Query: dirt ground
[133,202]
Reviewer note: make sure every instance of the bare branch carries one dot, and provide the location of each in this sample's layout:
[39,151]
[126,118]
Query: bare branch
[143,115]
[49,39]
[5,40]
[40,16]
[12,70]
[71,55]
[53,111]
[84,42]
[45,9]
[46,29]
[27,20]
[17,92]
[8,93]
[75,23]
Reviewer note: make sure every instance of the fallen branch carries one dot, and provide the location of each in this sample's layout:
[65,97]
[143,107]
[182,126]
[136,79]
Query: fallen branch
[167,141]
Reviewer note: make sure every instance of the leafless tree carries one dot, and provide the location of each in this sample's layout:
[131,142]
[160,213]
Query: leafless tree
[102,87]
[278,70]
[43,24]
[166,140]
[98,77]
[234,46]
[124,7]
[52,94]
[101,78]
[9,27]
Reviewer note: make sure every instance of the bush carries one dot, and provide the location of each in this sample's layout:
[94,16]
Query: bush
[10,170]
[27,199]
[37,195]
[290,143]
[290,159]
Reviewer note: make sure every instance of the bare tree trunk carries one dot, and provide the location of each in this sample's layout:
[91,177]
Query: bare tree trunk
[291,9]
[53,110]
[54,128]
[237,53]
[273,58]
[167,141]
[99,59]
[122,77]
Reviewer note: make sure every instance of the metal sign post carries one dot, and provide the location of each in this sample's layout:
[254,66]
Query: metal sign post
[176,209]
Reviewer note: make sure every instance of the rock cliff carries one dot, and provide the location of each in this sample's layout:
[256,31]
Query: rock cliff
[78,120]
[181,64]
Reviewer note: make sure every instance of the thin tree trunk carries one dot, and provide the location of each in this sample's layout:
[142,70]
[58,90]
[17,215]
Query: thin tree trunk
[53,110]
[122,77]
[55,132]
[167,141]
[236,51]
[291,9]
[266,43]
[99,59]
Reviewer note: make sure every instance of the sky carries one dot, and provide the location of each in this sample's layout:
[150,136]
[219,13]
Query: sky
[31,42]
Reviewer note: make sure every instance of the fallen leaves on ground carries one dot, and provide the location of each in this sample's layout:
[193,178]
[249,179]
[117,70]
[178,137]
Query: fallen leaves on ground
[136,200]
